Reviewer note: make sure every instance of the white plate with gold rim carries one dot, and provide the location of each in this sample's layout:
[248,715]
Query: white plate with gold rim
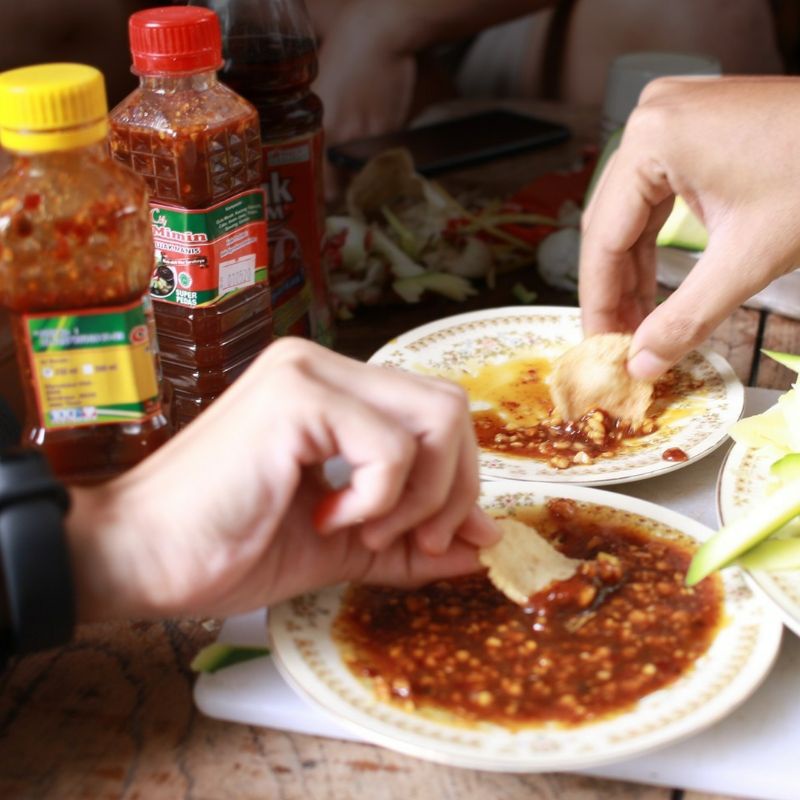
[737,660]
[467,344]
[742,483]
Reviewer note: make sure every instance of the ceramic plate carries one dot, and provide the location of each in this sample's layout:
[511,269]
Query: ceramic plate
[742,483]
[465,343]
[738,659]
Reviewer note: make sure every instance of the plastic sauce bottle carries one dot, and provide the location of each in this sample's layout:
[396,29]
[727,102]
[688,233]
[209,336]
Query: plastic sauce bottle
[76,256]
[270,58]
[197,145]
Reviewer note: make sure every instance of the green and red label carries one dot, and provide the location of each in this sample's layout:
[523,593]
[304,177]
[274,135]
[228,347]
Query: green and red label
[93,367]
[205,254]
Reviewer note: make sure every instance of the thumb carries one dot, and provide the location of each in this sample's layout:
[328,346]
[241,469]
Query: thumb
[718,284]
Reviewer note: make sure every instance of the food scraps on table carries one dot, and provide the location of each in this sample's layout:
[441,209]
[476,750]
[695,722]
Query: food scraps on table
[403,236]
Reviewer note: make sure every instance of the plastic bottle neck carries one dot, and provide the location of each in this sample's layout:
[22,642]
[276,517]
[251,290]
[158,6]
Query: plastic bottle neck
[171,83]
[33,161]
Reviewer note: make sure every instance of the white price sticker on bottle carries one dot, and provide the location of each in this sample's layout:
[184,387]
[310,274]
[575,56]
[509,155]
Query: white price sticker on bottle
[237,274]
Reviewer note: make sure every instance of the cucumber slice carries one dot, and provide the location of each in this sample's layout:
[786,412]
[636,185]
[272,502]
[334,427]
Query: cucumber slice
[774,554]
[217,656]
[746,532]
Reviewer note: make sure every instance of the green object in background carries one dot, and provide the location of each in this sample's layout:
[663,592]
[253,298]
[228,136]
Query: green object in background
[524,294]
[682,228]
[611,145]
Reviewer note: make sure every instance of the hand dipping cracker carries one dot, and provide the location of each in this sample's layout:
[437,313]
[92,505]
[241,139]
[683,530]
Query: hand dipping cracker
[594,375]
[523,562]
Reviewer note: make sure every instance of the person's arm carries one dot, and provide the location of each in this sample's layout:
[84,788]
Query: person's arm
[728,147]
[232,515]
[367,58]
[415,24]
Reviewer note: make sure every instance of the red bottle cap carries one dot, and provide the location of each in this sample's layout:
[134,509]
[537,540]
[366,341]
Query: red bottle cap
[175,39]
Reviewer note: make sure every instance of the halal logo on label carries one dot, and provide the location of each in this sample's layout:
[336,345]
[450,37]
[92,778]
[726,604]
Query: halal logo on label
[138,335]
[185,280]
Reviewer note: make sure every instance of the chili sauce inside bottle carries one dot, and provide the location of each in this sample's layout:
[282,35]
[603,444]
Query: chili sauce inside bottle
[76,256]
[271,59]
[196,143]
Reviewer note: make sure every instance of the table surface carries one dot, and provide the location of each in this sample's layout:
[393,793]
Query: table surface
[111,715]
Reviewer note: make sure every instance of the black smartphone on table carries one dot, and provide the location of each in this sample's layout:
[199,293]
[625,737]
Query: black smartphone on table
[456,143]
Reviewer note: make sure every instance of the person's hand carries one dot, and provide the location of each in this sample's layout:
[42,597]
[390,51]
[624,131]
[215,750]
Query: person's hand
[728,147]
[232,514]
[366,77]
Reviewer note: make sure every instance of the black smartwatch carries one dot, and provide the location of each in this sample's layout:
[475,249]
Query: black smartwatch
[37,602]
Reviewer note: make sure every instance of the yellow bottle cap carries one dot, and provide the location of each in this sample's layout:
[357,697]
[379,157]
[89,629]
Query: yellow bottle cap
[52,107]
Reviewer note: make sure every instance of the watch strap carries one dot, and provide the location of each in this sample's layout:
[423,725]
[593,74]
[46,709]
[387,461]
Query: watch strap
[25,475]
[37,607]
[37,574]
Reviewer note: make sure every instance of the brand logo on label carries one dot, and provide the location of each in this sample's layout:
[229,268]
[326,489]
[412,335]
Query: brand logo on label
[162,230]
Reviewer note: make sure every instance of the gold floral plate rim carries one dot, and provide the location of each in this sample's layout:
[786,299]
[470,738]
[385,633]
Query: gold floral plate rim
[486,334]
[742,481]
[736,663]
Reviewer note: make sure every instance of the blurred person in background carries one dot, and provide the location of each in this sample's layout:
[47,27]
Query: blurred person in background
[381,61]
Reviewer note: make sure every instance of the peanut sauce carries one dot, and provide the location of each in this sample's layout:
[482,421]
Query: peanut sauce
[570,656]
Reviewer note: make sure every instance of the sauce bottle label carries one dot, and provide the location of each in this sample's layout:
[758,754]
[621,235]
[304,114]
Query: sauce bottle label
[292,181]
[204,254]
[93,367]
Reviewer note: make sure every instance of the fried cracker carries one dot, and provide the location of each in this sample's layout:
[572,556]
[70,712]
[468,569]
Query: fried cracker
[593,375]
[523,562]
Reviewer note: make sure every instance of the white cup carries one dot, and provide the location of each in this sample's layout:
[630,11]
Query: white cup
[630,73]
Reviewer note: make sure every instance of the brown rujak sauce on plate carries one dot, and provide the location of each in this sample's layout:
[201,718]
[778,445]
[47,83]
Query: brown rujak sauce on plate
[581,650]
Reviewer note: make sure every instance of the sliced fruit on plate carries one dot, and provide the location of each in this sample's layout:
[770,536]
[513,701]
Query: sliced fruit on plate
[731,541]
[773,555]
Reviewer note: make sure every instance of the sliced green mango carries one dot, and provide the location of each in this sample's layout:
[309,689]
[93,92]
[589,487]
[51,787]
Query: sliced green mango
[683,229]
[787,468]
[774,555]
[217,656]
[744,533]
[787,359]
